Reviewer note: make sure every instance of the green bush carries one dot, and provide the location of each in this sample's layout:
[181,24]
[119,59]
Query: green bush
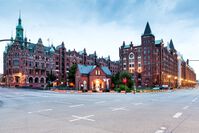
[117,89]
[123,87]
[128,89]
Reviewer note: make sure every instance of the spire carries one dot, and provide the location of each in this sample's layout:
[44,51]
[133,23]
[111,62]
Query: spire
[147,30]
[63,45]
[19,19]
[19,29]
[171,46]
[84,51]
[95,57]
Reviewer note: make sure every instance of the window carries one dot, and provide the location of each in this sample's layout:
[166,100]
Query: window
[16,62]
[131,65]
[131,56]
[97,72]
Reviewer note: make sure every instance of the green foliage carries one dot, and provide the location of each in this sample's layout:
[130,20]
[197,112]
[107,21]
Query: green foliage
[117,81]
[124,74]
[117,89]
[128,76]
[51,77]
[71,74]
[123,88]
[3,79]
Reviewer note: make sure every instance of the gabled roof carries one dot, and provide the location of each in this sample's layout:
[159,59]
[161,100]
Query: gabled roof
[86,69]
[106,71]
[83,69]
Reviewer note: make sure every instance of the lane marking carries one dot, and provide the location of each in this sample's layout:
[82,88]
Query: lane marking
[137,104]
[100,102]
[77,118]
[186,107]
[161,130]
[118,109]
[177,115]
[78,105]
[194,100]
[39,111]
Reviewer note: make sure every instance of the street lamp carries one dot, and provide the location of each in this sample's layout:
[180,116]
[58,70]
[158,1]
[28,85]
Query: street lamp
[176,81]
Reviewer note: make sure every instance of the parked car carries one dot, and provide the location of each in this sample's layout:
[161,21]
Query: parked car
[156,88]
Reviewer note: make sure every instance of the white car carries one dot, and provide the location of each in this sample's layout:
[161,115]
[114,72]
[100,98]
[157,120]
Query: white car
[156,88]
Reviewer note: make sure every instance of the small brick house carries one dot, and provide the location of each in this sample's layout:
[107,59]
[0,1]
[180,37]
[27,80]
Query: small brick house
[92,77]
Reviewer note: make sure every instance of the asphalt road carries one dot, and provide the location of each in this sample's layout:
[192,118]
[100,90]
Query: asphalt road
[34,111]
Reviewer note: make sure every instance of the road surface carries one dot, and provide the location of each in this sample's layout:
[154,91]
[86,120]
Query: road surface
[36,111]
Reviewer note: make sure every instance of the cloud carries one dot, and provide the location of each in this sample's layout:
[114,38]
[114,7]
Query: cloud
[102,25]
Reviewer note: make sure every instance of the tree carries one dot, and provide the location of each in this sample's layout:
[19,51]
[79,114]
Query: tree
[51,77]
[128,76]
[116,79]
[71,74]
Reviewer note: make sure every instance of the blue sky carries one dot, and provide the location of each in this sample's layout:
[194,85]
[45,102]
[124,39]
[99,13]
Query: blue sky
[102,25]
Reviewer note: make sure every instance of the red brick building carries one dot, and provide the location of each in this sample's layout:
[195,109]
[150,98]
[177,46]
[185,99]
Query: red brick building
[92,77]
[152,63]
[28,64]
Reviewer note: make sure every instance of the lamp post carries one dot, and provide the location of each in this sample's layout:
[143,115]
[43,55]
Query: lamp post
[176,82]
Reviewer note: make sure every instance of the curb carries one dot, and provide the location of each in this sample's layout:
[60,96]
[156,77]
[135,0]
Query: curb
[123,92]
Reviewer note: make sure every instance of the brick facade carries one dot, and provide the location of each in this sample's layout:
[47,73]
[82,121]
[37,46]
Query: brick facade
[93,78]
[152,63]
[27,64]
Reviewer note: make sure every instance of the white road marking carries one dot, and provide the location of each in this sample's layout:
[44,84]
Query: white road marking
[82,118]
[186,107]
[137,104]
[39,111]
[194,99]
[78,105]
[161,130]
[177,115]
[100,102]
[121,108]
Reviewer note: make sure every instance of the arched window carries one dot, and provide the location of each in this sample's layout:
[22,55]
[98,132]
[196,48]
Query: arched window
[36,80]
[30,80]
[42,80]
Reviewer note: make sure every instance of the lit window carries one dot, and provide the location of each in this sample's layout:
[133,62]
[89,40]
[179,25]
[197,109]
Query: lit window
[97,72]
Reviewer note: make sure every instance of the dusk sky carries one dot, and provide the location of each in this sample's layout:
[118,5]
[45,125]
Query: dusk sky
[102,25]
